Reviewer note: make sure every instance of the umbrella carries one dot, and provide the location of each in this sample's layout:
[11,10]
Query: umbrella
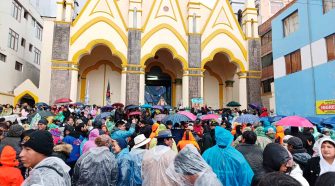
[103,115]
[233,104]
[175,118]
[160,117]
[146,106]
[158,107]
[43,113]
[79,104]
[315,120]
[188,114]
[247,118]
[118,105]
[254,106]
[128,107]
[167,107]
[276,118]
[329,122]
[107,108]
[265,119]
[136,113]
[63,100]
[294,121]
[210,117]
[41,104]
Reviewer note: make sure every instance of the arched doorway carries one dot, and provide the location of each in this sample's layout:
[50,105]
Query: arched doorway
[28,100]
[163,78]
[157,86]
[26,97]
[96,71]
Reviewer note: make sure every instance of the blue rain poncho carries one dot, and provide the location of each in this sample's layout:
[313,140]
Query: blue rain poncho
[227,163]
[137,157]
[126,168]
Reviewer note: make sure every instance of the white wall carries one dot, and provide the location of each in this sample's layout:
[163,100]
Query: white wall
[319,52]
[279,68]
[211,91]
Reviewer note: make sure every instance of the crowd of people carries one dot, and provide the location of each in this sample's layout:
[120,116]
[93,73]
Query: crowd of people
[89,145]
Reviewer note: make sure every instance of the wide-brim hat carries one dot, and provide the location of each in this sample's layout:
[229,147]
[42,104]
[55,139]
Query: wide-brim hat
[140,140]
[165,134]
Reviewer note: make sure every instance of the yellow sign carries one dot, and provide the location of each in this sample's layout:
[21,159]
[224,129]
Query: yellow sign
[325,107]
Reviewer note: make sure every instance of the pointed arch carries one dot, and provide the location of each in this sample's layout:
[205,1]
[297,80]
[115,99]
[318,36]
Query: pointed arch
[94,21]
[147,36]
[173,51]
[27,92]
[87,50]
[230,55]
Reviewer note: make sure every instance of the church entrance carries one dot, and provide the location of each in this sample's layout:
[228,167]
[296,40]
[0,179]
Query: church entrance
[157,87]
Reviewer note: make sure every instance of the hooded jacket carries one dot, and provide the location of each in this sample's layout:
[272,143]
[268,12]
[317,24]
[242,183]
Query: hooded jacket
[90,143]
[229,164]
[9,175]
[50,171]
[188,138]
[274,155]
[317,165]
[96,167]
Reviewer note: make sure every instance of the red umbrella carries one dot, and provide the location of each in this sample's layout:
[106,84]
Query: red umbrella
[294,121]
[136,113]
[210,117]
[63,100]
[118,105]
[188,114]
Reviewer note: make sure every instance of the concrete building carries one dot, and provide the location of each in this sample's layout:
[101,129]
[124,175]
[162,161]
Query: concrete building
[176,50]
[268,8]
[304,57]
[21,28]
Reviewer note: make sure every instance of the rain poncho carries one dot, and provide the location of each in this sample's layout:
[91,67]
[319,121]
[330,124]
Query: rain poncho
[188,138]
[96,167]
[267,125]
[154,165]
[262,139]
[126,168]
[50,171]
[189,163]
[90,143]
[229,164]
[137,157]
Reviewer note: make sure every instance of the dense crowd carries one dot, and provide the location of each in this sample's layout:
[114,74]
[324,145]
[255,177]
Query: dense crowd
[127,146]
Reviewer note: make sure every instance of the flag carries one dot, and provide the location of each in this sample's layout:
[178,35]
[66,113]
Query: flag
[87,94]
[108,94]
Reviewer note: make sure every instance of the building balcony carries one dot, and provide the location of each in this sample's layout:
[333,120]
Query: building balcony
[266,48]
[267,72]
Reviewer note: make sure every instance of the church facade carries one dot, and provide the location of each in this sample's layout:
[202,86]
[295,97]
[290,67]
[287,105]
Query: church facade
[143,51]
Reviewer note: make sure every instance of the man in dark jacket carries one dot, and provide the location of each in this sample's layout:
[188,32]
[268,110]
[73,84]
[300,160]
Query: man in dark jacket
[299,153]
[252,152]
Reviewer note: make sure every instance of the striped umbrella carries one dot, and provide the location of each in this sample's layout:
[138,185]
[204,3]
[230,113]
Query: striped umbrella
[175,118]
[247,118]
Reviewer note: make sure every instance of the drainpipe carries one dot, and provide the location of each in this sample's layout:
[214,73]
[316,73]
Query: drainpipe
[311,50]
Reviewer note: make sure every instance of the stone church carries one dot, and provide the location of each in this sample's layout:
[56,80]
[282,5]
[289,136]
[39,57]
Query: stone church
[148,50]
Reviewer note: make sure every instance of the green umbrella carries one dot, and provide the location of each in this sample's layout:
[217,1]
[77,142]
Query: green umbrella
[233,104]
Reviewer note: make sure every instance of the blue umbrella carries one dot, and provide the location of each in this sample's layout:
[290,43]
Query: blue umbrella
[254,106]
[276,118]
[167,107]
[39,104]
[146,106]
[329,122]
[175,118]
[265,119]
[158,107]
[103,115]
[107,108]
[128,107]
[315,120]
[247,118]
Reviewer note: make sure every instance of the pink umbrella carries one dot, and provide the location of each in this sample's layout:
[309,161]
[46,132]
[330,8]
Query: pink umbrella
[136,113]
[188,114]
[294,121]
[210,117]
[63,100]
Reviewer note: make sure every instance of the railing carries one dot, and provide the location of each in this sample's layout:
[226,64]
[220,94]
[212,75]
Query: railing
[267,72]
[266,48]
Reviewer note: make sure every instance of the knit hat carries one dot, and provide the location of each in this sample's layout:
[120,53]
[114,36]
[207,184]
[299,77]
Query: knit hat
[295,142]
[40,141]
[15,130]
[121,142]
[8,157]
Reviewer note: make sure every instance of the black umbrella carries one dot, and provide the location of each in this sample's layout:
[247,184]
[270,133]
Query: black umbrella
[233,104]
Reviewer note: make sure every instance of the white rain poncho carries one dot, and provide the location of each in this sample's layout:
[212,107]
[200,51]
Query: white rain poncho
[98,166]
[50,171]
[189,168]
[154,165]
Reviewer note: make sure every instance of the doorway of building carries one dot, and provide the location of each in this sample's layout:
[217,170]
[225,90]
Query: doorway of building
[157,86]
